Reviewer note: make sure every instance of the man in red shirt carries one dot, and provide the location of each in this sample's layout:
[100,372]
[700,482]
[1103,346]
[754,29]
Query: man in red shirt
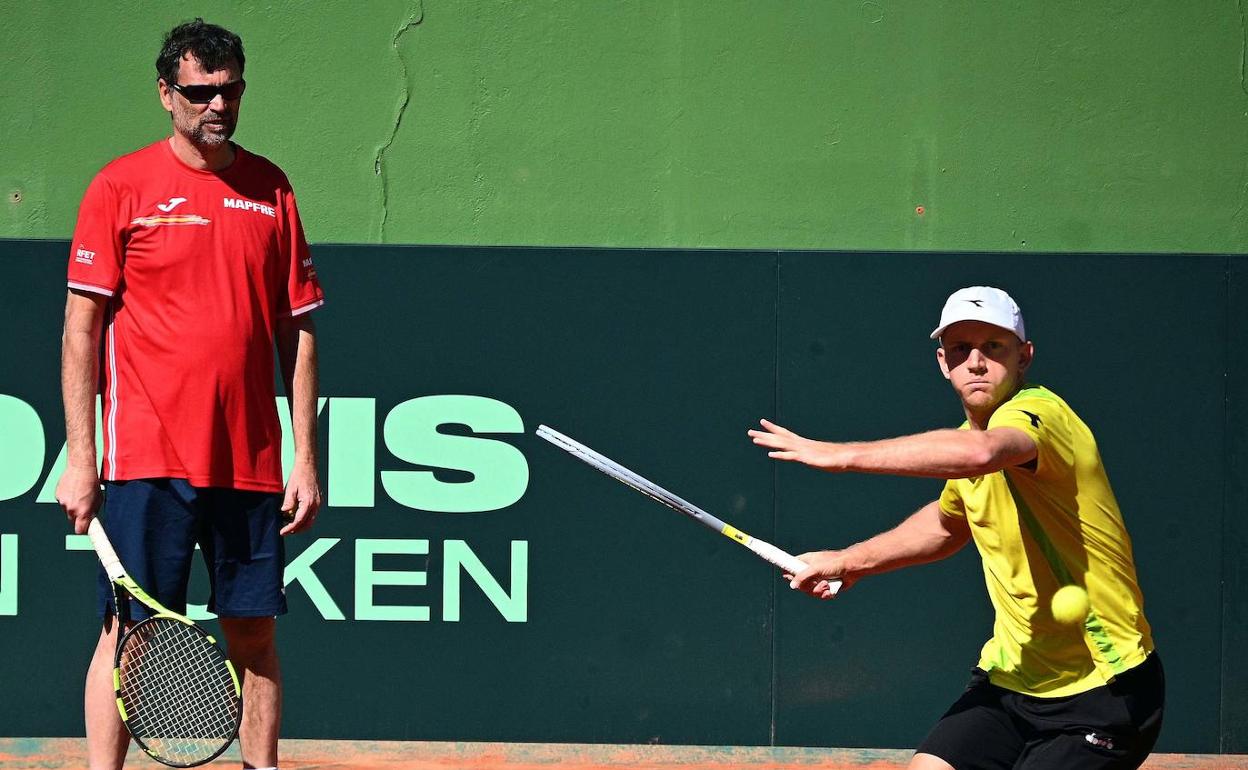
[188,265]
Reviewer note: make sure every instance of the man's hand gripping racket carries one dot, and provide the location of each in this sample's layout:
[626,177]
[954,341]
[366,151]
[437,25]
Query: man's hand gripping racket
[788,563]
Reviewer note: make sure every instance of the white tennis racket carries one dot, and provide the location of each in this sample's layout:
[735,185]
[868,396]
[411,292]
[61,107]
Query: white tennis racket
[785,561]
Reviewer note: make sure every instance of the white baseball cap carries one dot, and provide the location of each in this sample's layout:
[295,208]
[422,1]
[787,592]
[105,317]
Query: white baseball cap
[982,303]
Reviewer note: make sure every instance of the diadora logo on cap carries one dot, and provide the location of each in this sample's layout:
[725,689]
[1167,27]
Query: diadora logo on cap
[975,302]
[246,205]
[171,205]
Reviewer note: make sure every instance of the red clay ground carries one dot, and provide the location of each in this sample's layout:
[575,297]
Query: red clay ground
[69,754]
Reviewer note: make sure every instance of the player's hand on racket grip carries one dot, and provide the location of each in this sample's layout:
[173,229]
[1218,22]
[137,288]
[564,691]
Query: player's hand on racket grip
[824,576]
[78,492]
[787,445]
[302,500]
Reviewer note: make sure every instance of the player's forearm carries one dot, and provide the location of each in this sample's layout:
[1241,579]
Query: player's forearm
[942,454]
[297,351]
[926,536]
[79,378]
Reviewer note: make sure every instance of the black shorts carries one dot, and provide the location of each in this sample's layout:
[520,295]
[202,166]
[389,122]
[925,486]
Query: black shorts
[155,525]
[1112,726]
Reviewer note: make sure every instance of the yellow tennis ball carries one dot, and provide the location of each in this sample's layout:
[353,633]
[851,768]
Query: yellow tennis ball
[1070,605]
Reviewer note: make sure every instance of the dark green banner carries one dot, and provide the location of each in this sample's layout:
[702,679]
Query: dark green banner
[470,582]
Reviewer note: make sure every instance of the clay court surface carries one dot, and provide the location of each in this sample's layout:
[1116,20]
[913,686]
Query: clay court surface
[67,753]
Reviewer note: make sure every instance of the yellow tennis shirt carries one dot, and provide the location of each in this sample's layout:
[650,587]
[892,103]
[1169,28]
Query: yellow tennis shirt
[1040,528]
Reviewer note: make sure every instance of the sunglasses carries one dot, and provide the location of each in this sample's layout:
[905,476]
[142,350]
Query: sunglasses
[205,94]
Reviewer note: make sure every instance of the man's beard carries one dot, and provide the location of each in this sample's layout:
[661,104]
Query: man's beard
[202,137]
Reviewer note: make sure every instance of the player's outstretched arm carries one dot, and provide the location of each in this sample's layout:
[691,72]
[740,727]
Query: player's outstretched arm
[945,454]
[926,536]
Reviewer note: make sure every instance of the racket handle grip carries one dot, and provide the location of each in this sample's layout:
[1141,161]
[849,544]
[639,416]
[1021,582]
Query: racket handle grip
[104,550]
[786,561]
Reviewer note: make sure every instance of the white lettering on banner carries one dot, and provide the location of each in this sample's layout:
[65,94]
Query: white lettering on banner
[21,449]
[500,471]
[497,477]
[8,574]
[458,557]
[367,578]
[299,572]
[513,605]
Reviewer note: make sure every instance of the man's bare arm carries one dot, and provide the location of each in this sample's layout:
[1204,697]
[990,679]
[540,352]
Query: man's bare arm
[927,535]
[296,348]
[78,490]
[945,454]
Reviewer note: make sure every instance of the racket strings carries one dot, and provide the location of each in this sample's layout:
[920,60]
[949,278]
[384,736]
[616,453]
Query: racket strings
[178,692]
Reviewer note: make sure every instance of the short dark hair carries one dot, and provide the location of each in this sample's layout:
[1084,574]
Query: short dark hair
[212,46]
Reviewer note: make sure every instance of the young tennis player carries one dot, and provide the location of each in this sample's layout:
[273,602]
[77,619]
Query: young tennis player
[1072,685]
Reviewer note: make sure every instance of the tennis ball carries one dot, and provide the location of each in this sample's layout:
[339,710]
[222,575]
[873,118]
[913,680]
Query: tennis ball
[1070,605]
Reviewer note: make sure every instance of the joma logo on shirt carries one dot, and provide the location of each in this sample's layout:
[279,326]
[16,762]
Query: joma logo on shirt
[246,205]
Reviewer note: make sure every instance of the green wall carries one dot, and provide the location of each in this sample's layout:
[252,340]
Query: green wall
[1018,126]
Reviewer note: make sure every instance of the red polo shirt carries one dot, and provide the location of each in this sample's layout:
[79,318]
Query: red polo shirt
[200,266]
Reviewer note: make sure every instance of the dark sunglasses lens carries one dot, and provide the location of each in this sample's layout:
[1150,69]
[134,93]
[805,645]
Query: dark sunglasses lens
[205,94]
[198,94]
[232,91]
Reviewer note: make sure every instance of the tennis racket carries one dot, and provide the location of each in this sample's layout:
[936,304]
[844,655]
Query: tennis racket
[177,693]
[764,550]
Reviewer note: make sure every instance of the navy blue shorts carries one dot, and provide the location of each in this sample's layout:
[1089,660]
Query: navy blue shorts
[155,524]
[1111,727]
